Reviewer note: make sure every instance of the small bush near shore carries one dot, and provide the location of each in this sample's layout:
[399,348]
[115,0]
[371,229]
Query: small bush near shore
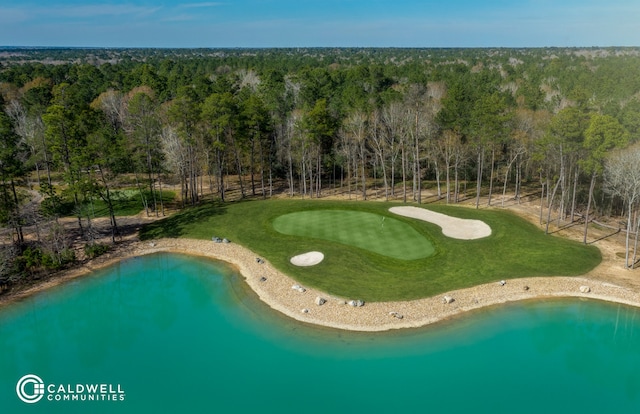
[94,250]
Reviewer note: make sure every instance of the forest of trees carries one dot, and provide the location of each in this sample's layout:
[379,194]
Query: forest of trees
[463,122]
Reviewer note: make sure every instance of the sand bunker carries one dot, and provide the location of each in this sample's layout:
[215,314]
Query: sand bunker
[456,228]
[307,259]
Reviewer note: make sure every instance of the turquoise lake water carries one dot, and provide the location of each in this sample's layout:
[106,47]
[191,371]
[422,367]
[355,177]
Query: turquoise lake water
[180,334]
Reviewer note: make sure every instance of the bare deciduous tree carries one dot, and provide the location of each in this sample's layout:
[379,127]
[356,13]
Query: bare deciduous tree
[622,179]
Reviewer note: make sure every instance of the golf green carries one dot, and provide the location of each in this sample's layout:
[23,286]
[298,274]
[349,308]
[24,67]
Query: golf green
[373,232]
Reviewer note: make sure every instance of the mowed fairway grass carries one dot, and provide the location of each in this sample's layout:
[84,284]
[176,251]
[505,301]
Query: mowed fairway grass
[516,248]
[379,234]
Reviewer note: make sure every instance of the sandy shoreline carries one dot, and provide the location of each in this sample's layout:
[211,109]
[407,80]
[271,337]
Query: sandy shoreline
[275,289]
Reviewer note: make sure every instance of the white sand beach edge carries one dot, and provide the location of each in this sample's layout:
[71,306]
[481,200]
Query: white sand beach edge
[274,288]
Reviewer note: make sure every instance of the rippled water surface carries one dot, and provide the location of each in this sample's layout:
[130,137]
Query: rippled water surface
[181,334]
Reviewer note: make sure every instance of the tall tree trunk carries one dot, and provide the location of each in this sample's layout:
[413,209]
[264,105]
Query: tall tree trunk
[586,214]
[291,182]
[479,176]
[635,244]
[160,188]
[220,166]
[542,184]
[555,189]
[107,198]
[506,178]
[438,186]
[629,214]
[417,166]
[573,196]
[364,180]
[238,165]
[404,173]
[384,174]
[262,184]
[456,183]
[518,180]
[143,199]
[16,214]
[150,177]
[563,179]
[493,160]
[46,160]
[318,175]
[252,168]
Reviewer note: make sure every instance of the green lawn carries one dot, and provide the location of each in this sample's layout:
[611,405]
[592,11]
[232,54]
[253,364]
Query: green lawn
[516,248]
[379,234]
[126,202]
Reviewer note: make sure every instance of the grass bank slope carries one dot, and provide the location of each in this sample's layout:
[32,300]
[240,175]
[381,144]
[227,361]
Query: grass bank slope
[516,248]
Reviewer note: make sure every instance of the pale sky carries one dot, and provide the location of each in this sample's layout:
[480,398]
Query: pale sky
[318,23]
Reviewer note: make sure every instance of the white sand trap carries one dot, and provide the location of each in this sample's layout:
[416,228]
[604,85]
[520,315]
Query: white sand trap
[456,228]
[307,259]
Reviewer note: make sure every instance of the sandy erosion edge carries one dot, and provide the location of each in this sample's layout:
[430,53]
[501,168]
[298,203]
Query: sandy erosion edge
[275,289]
[454,227]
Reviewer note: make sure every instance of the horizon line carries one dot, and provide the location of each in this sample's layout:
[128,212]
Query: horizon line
[315,47]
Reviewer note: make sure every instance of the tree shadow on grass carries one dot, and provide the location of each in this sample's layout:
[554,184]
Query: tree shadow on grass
[177,225]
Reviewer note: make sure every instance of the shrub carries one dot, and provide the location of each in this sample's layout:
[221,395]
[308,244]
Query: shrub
[32,257]
[58,260]
[96,249]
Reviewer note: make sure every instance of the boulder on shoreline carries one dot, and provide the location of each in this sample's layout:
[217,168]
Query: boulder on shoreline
[447,300]
[320,301]
[585,289]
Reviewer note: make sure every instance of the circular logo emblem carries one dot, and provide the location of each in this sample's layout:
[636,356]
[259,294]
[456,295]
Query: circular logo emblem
[30,393]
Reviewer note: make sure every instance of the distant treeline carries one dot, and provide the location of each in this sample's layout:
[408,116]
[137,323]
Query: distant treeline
[491,120]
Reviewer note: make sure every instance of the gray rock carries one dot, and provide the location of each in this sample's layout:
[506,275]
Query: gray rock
[305,310]
[447,300]
[585,289]
[320,301]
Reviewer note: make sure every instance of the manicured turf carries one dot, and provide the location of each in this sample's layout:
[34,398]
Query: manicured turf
[368,231]
[516,248]
[125,203]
